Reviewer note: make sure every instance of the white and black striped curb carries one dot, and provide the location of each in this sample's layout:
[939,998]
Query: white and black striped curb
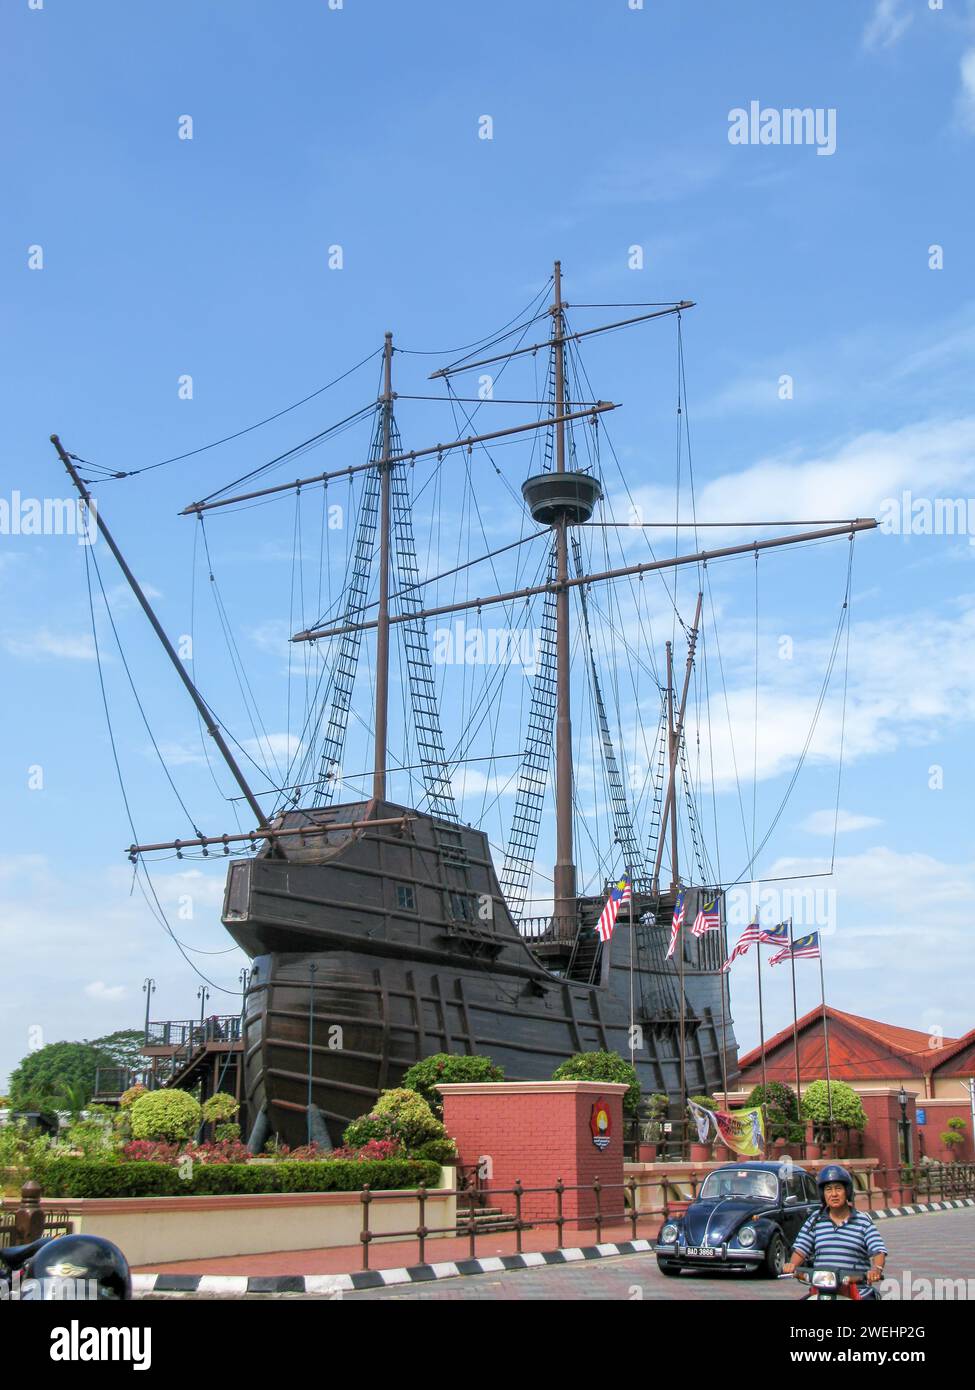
[920,1207]
[235,1286]
[331,1285]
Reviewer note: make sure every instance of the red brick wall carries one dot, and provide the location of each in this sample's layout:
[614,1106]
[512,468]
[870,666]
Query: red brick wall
[537,1137]
[937,1114]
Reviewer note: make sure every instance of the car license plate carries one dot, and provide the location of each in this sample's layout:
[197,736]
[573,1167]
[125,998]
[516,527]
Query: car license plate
[703,1252]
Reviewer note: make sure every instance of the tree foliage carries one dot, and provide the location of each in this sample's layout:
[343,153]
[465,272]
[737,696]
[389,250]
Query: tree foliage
[424,1077]
[165,1115]
[123,1047]
[61,1075]
[398,1114]
[781,1111]
[601,1066]
[45,1077]
[847,1107]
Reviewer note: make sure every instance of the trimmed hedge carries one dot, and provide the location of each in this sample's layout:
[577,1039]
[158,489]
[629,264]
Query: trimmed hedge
[72,1177]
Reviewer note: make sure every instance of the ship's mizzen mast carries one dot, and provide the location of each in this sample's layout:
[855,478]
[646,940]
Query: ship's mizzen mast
[675,732]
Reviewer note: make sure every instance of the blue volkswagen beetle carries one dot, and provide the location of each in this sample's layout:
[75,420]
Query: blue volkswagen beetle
[745,1217]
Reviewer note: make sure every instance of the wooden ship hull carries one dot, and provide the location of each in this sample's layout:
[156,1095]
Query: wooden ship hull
[378,945]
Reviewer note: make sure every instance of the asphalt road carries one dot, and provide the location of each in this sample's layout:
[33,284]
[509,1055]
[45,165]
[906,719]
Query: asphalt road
[923,1249]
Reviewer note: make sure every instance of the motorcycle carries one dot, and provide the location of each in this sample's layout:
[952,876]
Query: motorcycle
[65,1267]
[830,1283]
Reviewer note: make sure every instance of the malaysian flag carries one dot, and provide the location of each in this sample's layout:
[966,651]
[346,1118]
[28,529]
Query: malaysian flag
[677,923]
[774,936]
[753,932]
[803,948]
[708,917]
[620,894]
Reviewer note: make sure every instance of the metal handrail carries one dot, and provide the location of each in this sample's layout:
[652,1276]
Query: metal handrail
[951,1181]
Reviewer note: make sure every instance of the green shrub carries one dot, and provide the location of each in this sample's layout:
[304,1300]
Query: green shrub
[781,1111]
[226,1131]
[93,1137]
[20,1149]
[220,1106]
[847,1107]
[398,1114]
[601,1066]
[168,1115]
[442,1151]
[67,1177]
[128,1098]
[365,1128]
[424,1077]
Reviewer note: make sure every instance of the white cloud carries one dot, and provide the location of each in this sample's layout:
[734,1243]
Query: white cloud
[891,908]
[966,96]
[106,993]
[273,746]
[850,479]
[43,643]
[90,930]
[178,754]
[823,822]
[887,25]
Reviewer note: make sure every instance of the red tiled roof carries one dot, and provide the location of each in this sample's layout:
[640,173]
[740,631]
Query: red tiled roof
[953,1048]
[909,1043]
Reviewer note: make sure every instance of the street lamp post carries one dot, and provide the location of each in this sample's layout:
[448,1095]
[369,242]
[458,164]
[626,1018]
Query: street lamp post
[903,1098]
[148,989]
[203,994]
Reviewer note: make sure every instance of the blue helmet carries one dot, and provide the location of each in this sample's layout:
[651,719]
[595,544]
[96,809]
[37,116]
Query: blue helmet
[834,1172]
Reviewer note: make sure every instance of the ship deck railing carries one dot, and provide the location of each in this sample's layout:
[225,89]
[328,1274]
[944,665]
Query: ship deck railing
[549,930]
[182,1034]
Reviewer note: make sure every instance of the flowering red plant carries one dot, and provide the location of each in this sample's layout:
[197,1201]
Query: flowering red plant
[150,1151]
[373,1149]
[223,1151]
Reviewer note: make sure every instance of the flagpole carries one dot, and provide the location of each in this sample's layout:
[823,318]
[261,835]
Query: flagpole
[761,1016]
[795,1015]
[822,995]
[629,874]
[723,938]
[683,1073]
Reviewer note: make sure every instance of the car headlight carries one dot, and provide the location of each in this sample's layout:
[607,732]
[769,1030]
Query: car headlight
[669,1234]
[746,1236]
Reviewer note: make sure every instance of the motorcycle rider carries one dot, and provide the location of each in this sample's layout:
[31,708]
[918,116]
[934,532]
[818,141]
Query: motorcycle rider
[838,1235]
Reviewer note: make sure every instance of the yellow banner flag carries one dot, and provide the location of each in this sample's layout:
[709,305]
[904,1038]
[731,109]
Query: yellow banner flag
[742,1130]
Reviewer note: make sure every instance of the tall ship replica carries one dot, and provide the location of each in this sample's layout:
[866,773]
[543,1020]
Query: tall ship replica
[382,927]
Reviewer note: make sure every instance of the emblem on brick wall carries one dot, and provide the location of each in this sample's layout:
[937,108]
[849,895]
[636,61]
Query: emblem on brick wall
[599,1123]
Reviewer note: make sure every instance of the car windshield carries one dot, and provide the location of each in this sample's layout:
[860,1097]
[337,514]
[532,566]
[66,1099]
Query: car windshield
[739,1182]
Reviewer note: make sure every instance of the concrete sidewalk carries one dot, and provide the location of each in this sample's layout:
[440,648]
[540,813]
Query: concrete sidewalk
[347,1259]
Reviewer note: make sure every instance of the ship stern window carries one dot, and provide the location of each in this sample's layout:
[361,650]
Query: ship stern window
[405,897]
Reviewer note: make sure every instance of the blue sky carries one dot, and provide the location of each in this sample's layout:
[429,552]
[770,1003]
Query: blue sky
[359,127]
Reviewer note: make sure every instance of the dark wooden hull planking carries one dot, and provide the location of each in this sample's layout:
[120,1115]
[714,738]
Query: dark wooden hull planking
[376,946]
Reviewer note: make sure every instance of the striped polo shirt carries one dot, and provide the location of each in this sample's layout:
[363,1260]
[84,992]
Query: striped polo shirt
[850,1244]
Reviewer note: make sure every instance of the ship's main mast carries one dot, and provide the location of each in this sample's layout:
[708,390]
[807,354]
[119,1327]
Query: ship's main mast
[558,499]
[565,869]
[382,630]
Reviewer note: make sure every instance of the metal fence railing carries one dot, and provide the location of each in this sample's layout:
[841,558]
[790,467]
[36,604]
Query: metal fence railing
[599,1206]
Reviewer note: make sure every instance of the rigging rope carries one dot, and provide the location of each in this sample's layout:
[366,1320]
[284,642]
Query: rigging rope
[157,909]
